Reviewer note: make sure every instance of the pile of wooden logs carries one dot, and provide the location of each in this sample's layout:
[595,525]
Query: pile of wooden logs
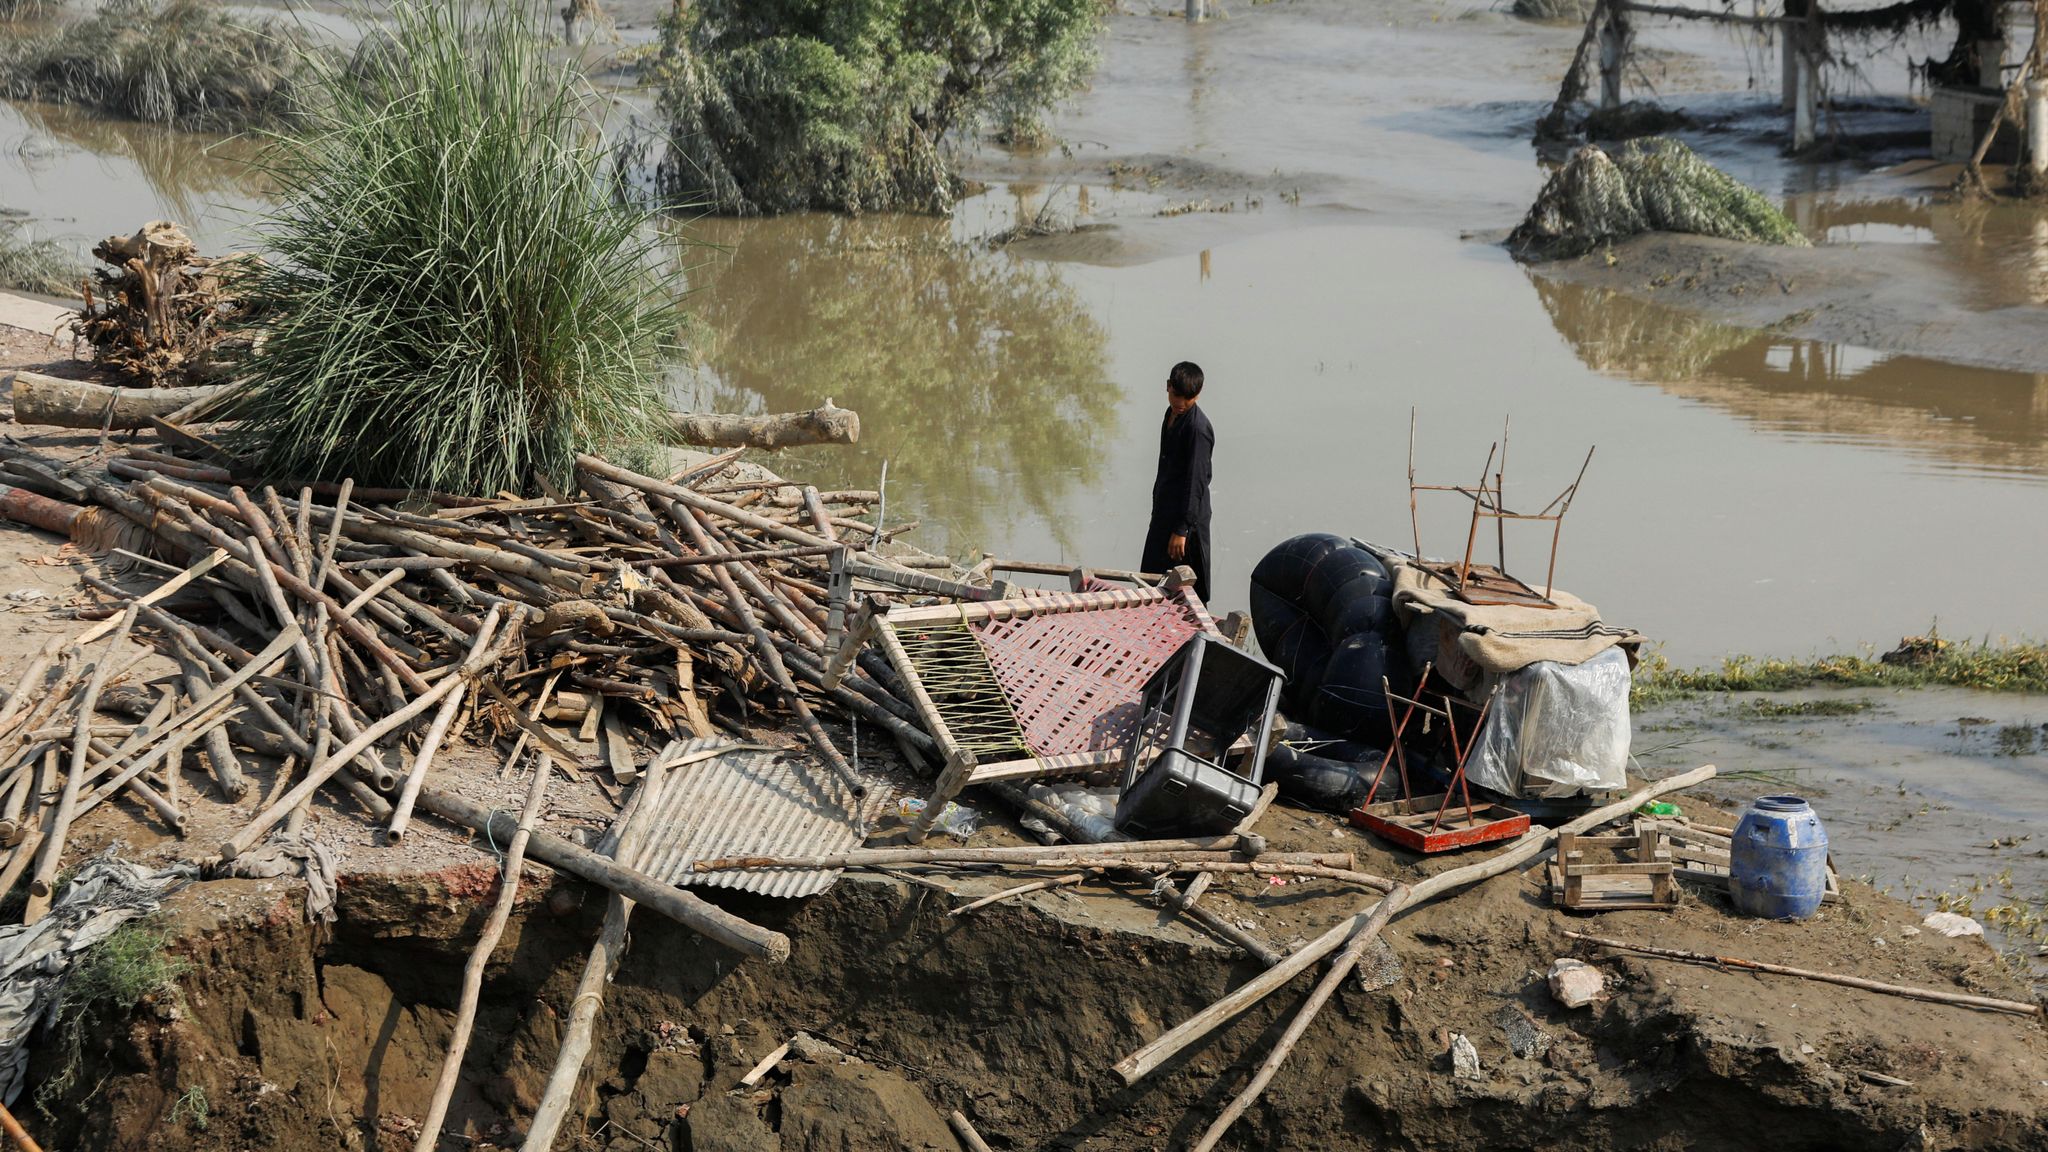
[353,633]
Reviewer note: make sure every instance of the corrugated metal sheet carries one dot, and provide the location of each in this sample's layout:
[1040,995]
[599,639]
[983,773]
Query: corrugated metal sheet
[750,803]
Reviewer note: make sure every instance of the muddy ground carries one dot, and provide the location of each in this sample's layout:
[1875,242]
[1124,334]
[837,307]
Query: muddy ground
[329,1039]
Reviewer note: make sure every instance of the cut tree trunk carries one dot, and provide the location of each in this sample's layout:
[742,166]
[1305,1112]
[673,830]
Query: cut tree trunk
[826,425]
[40,399]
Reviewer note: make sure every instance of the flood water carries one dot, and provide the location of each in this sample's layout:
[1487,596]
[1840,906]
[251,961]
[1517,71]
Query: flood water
[1748,493]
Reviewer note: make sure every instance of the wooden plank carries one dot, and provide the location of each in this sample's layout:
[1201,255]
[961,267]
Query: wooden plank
[1620,868]
[1031,769]
[1035,606]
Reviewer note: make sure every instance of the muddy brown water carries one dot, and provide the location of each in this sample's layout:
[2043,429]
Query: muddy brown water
[1748,494]
[1932,794]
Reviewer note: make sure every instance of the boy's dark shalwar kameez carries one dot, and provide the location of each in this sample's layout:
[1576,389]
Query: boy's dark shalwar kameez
[1180,496]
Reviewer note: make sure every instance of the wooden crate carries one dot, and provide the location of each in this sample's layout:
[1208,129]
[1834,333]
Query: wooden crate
[1580,882]
[1413,824]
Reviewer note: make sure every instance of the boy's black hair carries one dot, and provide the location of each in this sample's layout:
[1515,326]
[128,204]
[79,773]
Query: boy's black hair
[1185,380]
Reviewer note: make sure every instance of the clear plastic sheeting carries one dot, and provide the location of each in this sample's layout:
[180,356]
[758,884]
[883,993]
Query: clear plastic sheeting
[1557,730]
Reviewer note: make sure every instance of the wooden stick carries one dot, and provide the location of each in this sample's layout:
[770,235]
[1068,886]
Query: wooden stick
[15,1132]
[46,772]
[865,857]
[1929,994]
[598,971]
[700,502]
[173,496]
[473,971]
[1200,883]
[159,593]
[1341,967]
[964,1128]
[1205,867]
[1069,879]
[48,860]
[317,774]
[333,534]
[766,1066]
[276,726]
[401,812]
[771,660]
[1145,1060]
[1254,947]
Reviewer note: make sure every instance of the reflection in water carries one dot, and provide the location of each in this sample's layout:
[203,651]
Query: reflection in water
[1976,419]
[978,376]
[1998,250]
[186,170]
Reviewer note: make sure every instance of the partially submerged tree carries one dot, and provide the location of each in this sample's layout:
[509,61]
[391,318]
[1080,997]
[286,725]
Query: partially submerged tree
[1652,185]
[454,296]
[186,63]
[783,105]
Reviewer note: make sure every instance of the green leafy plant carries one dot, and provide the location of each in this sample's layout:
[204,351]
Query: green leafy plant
[192,1106]
[2001,666]
[781,105]
[104,986]
[455,297]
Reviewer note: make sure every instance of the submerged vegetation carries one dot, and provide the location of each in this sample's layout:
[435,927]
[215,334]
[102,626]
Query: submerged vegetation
[1918,662]
[1651,185]
[453,297]
[783,105]
[185,63]
[38,264]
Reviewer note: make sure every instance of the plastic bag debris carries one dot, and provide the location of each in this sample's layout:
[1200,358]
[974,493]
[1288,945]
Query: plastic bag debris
[953,820]
[1557,730]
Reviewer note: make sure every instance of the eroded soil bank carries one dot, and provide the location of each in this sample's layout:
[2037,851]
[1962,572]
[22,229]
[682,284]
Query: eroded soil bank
[312,1039]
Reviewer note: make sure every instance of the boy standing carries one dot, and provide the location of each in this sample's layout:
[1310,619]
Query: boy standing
[1179,529]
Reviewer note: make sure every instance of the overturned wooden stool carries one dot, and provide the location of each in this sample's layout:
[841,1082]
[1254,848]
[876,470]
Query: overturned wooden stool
[1581,883]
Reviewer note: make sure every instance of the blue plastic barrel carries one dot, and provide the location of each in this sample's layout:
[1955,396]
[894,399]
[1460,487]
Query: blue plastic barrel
[1778,864]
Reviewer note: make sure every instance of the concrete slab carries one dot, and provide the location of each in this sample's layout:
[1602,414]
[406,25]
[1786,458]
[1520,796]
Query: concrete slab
[33,315]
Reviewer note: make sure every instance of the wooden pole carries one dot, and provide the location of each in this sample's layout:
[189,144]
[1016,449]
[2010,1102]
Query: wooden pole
[408,795]
[51,854]
[1146,1060]
[598,971]
[15,1132]
[479,957]
[317,774]
[1325,988]
[1065,881]
[684,908]
[1250,846]
[1932,995]
[962,1126]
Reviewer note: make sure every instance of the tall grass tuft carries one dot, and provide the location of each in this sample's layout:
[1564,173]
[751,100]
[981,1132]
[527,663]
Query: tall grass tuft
[187,63]
[456,298]
[38,264]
